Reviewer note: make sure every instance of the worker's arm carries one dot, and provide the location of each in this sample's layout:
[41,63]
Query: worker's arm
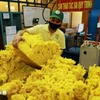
[18,37]
[61,51]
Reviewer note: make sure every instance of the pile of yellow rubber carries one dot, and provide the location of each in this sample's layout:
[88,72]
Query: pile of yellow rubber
[58,79]
[33,48]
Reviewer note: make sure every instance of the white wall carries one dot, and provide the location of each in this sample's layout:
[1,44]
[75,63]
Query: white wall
[76,18]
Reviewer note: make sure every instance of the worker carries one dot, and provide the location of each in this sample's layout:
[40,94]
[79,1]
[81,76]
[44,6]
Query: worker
[49,32]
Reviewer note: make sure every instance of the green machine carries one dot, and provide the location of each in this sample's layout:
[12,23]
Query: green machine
[10,24]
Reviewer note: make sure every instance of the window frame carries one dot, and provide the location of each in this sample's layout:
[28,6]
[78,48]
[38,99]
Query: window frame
[26,2]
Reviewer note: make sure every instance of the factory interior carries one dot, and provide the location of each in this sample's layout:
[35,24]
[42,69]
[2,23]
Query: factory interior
[38,70]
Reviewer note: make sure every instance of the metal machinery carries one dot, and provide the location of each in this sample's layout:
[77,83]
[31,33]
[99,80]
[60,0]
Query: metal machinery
[89,54]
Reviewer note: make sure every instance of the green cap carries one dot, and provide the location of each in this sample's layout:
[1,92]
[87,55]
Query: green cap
[57,14]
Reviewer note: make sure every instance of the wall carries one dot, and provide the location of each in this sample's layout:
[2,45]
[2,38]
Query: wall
[76,19]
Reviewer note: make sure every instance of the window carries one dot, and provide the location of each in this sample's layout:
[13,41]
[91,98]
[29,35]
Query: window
[30,4]
[37,1]
[23,0]
[31,1]
[16,5]
[14,0]
[4,6]
[21,6]
[44,1]
[13,7]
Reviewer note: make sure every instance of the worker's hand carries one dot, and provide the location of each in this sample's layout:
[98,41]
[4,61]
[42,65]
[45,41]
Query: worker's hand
[18,38]
[61,52]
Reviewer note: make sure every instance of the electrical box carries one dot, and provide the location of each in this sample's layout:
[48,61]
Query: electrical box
[10,24]
[90,54]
